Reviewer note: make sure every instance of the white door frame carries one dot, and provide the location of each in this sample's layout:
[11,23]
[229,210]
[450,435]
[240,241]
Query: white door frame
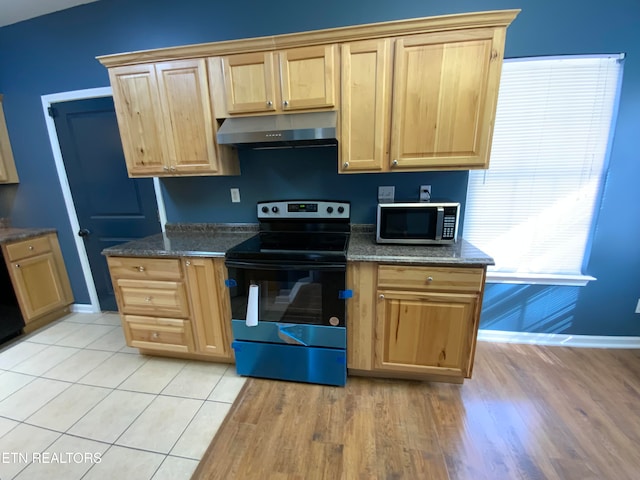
[47,100]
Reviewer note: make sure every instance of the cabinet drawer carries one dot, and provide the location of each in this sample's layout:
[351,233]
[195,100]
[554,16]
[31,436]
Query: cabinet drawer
[28,248]
[170,334]
[450,279]
[145,268]
[157,298]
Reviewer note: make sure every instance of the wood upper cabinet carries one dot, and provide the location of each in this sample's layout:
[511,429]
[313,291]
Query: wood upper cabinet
[365,107]
[444,99]
[8,172]
[39,278]
[434,100]
[268,82]
[165,119]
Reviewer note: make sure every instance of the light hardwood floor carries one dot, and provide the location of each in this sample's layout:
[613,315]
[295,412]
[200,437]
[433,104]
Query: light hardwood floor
[529,412]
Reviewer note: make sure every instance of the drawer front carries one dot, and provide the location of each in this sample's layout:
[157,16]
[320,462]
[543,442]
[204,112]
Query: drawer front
[156,298]
[168,334]
[145,268]
[449,279]
[28,248]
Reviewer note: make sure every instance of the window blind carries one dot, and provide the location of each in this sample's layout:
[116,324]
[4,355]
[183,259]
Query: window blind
[532,210]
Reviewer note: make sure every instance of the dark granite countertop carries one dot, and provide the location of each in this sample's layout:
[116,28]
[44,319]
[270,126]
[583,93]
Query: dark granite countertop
[12,234]
[180,240]
[213,240]
[363,248]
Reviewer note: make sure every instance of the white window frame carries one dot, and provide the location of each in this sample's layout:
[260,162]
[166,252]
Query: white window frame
[579,278]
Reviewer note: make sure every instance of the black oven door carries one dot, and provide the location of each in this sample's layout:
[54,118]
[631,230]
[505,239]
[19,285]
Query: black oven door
[303,294]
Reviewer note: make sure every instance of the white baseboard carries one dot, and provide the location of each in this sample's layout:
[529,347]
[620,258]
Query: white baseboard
[84,308]
[556,339]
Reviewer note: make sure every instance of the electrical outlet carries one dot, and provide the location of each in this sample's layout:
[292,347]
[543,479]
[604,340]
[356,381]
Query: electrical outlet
[638,306]
[425,193]
[235,195]
[386,194]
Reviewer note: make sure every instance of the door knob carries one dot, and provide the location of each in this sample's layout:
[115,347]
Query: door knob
[83,232]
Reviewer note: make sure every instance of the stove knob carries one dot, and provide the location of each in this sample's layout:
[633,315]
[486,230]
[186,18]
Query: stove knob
[274,209]
[329,209]
[340,209]
[265,209]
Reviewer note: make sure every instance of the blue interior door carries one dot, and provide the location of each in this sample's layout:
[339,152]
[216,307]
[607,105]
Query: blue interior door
[111,207]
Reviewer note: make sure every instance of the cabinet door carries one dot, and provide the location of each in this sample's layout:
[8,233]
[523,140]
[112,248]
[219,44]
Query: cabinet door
[186,111]
[210,305]
[425,333]
[445,94]
[308,77]
[249,82]
[135,95]
[39,285]
[365,105]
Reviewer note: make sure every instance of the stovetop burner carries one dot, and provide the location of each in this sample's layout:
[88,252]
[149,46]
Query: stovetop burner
[298,231]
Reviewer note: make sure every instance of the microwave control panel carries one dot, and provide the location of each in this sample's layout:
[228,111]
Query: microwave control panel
[449,223]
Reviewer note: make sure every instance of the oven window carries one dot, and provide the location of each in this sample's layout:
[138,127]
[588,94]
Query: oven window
[289,296]
[409,223]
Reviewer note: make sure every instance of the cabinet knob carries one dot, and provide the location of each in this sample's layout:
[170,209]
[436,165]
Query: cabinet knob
[285,103]
[394,163]
[172,168]
[269,103]
[429,279]
[17,265]
[345,164]
[147,299]
[155,335]
[187,263]
[30,247]
[141,268]
[381,296]
[165,168]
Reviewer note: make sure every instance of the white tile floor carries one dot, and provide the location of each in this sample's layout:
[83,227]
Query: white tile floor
[77,403]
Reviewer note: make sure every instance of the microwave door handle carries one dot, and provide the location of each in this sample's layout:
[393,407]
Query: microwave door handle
[439,223]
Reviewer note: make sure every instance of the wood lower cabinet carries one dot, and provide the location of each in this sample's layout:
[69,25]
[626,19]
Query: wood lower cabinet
[8,172]
[39,279]
[166,122]
[413,321]
[173,305]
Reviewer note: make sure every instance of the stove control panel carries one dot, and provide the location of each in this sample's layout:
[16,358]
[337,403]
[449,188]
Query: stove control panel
[319,209]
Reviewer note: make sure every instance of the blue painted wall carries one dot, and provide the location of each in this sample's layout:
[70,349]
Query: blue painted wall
[55,53]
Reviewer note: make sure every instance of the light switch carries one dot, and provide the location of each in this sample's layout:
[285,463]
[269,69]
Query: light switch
[235,195]
[386,194]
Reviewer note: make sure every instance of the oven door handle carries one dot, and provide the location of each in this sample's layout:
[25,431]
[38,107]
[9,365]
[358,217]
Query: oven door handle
[335,267]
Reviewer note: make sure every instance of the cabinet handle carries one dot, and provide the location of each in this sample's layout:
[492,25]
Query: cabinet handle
[429,279]
[155,336]
[17,265]
[381,296]
[148,299]
[187,263]
[269,103]
[345,164]
[285,103]
[394,163]
[141,268]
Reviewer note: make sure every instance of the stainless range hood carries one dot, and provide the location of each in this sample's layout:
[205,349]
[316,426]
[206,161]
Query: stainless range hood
[277,131]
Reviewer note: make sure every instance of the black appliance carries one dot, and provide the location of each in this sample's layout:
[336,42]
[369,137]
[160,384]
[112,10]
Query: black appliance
[287,288]
[11,321]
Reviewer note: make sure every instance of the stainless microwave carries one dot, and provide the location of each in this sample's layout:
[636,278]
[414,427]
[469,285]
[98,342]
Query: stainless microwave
[423,223]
